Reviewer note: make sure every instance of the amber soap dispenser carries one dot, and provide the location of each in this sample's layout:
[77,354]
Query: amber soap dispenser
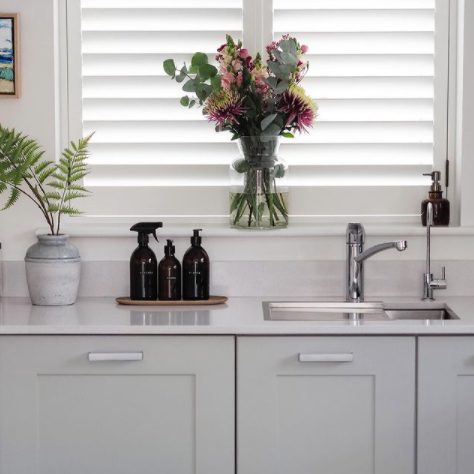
[435,197]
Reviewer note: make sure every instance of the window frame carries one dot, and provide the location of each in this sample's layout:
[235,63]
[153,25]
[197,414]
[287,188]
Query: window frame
[257,31]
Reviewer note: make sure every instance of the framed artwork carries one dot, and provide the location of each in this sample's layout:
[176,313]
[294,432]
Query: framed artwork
[9,55]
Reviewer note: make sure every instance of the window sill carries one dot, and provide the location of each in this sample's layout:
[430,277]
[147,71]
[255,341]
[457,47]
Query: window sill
[224,231]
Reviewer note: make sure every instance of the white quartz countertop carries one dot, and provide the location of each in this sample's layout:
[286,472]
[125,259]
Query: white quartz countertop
[239,316]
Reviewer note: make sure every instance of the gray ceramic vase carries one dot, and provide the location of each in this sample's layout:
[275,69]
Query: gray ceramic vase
[53,270]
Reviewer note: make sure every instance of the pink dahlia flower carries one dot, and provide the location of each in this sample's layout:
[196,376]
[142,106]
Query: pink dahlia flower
[300,109]
[224,107]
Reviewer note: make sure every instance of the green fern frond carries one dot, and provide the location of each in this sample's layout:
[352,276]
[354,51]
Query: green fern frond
[24,170]
[69,211]
[69,196]
[53,196]
[12,198]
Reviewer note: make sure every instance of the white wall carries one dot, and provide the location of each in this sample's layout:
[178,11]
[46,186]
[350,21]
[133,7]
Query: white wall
[35,113]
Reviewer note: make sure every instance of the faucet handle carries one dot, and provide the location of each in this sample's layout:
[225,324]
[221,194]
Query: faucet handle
[440,283]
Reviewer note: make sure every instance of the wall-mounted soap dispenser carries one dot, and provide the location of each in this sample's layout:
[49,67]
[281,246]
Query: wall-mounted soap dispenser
[441,208]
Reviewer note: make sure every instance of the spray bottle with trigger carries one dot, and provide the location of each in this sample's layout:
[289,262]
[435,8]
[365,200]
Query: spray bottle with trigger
[143,264]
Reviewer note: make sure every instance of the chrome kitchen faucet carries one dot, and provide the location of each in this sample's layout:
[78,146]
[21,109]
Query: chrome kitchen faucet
[355,237]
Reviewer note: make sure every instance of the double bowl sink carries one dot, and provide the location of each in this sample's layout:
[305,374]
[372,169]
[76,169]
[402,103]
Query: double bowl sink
[342,311]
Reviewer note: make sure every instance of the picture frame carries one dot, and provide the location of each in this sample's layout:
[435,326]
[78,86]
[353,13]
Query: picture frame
[9,55]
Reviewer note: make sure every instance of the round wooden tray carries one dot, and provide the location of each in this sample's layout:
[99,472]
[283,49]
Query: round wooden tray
[213,300]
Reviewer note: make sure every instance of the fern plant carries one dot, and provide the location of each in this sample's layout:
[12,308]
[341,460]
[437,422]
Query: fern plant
[52,186]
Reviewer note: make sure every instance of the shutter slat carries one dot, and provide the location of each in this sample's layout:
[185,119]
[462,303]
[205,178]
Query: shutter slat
[202,132]
[131,64]
[218,175]
[320,65]
[354,20]
[192,19]
[358,110]
[318,87]
[295,154]
[162,5]
[366,43]
[158,42]
[352,4]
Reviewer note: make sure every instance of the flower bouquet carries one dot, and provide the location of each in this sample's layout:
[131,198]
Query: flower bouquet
[257,101]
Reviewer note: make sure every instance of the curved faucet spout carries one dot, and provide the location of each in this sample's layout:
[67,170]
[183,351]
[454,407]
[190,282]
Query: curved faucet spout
[400,245]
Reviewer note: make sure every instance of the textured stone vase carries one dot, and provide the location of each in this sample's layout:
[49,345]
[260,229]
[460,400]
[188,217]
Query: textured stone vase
[53,270]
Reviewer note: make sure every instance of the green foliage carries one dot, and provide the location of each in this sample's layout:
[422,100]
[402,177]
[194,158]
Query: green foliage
[202,78]
[51,186]
[169,67]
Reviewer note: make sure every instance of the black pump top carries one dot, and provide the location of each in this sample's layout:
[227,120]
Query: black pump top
[196,239]
[169,247]
[145,228]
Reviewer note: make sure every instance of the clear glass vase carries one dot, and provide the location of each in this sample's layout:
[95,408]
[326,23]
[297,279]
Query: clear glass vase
[259,194]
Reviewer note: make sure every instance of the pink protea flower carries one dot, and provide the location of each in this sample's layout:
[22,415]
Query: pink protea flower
[299,107]
[224,107]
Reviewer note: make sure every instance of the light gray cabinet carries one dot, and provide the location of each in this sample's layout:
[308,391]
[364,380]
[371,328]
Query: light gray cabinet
[446,405]
[338,405]
[64,409]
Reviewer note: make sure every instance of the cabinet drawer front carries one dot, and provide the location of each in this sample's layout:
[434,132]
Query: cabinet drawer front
[344,405]
[446,405]
[120,404]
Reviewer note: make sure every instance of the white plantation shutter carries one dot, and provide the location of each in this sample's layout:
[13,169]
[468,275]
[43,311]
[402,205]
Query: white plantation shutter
[378,70]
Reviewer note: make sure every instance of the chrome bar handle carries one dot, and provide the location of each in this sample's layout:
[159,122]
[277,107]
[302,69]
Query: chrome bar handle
[114,356]
[326,357]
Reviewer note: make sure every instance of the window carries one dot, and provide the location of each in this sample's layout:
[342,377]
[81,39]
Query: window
[378,70]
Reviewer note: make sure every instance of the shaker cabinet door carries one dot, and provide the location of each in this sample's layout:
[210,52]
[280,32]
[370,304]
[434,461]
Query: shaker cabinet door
[446,405]
[329,405]
[118,404]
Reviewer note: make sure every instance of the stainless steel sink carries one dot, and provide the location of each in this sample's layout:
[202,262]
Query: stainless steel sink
[442,313]
[322,311]
[341,311]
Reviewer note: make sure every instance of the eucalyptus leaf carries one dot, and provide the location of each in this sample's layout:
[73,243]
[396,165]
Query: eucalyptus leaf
[240,165]
[206,71]
[184,101]
[189,86]
[169,67]
[282,87]
[199,59]
[265,123]
[289,59]
[272,82]
[273,130]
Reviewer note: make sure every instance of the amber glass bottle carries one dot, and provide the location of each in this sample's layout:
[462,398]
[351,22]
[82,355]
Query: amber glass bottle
[441,207]
[196,270]
[169,275]
[143,264]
